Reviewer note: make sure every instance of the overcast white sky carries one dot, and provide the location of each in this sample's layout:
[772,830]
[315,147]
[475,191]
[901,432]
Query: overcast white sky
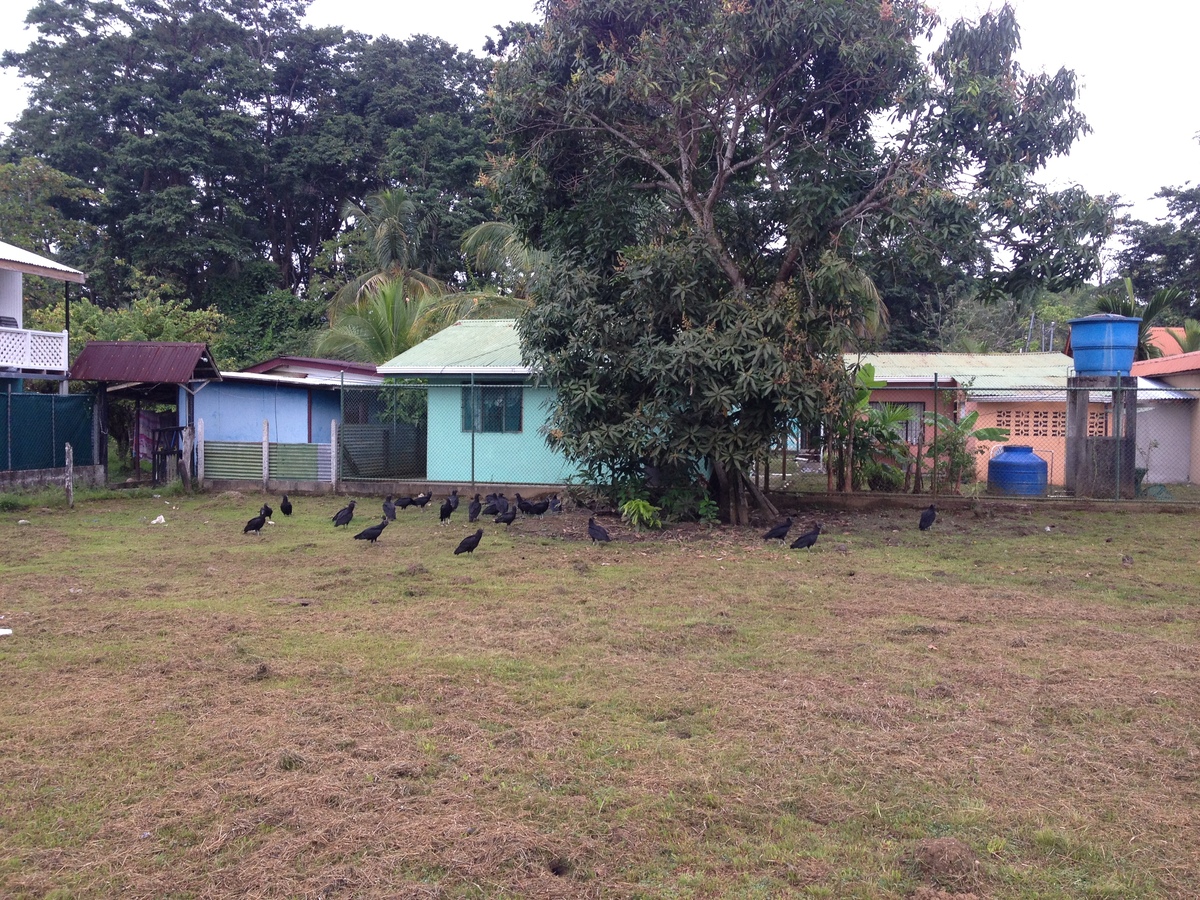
[1135,62]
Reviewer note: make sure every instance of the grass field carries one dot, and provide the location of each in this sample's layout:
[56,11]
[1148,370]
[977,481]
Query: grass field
[1006,706]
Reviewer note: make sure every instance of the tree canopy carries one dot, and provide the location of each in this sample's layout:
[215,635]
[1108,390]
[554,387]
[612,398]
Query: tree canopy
[716,183]
[1166,253]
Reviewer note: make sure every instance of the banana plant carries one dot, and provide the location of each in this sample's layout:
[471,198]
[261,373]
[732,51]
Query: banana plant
[949,451]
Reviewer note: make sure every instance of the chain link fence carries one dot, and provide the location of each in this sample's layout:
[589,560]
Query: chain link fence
[1136,440]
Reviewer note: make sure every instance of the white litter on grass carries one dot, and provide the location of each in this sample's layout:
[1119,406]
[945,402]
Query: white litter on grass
[23,521]
[159,521]
[4,632]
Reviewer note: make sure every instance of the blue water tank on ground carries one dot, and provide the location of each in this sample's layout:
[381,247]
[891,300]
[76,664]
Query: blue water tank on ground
[1017,471]
[1104,344]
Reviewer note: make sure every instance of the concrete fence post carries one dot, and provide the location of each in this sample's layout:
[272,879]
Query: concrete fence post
[333,453]
[266,454]
[200,452]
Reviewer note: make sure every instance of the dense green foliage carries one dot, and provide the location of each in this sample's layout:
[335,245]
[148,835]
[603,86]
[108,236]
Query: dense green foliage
[1166,253]
[194,141]
[714,186]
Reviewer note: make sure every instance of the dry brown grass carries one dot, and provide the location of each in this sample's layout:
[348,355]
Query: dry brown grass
[193,713]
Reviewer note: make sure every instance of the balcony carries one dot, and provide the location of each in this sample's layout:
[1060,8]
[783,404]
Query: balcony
[24,352]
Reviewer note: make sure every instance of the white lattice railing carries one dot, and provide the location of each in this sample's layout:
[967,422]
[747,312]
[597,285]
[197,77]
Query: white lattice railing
[38,351]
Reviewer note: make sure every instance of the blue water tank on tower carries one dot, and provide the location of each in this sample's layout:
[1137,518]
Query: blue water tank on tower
[1104,344]
[1017,471]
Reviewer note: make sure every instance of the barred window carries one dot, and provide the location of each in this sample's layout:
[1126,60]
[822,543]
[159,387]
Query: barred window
[1098,424]
[491,408]
[1017,421]
[1058,423]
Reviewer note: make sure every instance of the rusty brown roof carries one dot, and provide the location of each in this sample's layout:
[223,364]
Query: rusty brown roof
[159,362]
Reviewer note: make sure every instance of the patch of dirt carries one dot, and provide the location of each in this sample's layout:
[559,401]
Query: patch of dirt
[946,862]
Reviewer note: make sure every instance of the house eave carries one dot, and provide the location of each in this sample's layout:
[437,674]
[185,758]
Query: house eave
[426,371]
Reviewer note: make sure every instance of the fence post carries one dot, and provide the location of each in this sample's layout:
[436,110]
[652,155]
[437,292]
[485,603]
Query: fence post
[200,452]
[69,482]
[333,453]
[266,454]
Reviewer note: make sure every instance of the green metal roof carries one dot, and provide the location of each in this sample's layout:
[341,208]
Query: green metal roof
[996,371]
[469,346]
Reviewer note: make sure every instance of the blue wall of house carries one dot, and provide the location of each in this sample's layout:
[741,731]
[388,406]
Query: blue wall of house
[514,458]
[235,412]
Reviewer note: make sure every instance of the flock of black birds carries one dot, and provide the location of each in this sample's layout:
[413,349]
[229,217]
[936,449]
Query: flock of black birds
[497,505]
[505,513]
[805,541]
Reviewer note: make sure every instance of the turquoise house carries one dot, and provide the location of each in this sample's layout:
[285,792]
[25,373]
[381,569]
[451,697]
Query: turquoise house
[486,421]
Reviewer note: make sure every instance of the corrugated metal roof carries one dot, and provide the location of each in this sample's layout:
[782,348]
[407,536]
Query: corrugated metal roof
[156,362]
[309,366]
[979,370]
[469,346]
[18,260]
[330,380]
[1168,365]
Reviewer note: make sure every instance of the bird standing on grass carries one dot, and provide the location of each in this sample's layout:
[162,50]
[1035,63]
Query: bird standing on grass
[597,532]
[389,509]
[445,512]
[372,534]
[474,509]
[266,511]
[539,509]
[453,500]
[806,540]
[779,532]
[285,505]
[404,502]
[343,515]
[421,499]
[928,517]
[506,518]
[469,543]
[256,525]
[555,504]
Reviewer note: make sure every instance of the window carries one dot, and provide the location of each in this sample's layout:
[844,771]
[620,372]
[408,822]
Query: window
[491,409]
[910,430]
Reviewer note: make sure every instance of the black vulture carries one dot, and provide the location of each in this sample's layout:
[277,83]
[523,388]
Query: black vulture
[404,502]
[806,540]
[555,504]
[266,511]
[389,509]
[469,543]
[597,532]
[506,518]
[490,507]
[524,505]
[285,505]
[372,534]
[453,498]
[445,512]
[501,503]
[474,509]
[256,525]
[779,532]
[928,517]
[421,499]
[539,508]
[343,515]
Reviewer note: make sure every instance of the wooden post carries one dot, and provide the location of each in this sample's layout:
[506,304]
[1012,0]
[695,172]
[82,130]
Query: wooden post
[185,459]
[69,483]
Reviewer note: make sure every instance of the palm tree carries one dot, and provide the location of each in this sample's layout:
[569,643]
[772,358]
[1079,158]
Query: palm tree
[389,220]
[379,326]
[1190,342]
[1127,305]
